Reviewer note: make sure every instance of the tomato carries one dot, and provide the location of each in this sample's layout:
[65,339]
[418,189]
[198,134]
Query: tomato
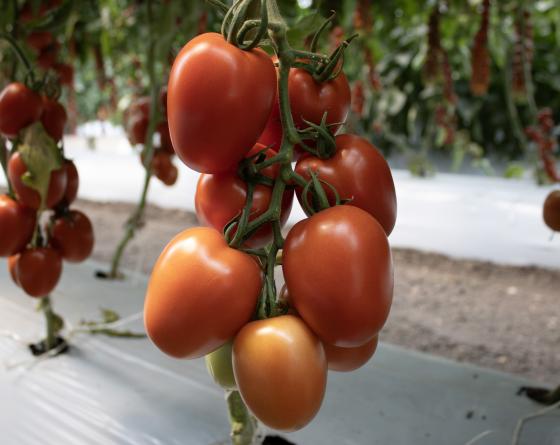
[220,366]
[338,269]
[38,270]
[140,105]
[551,210]
[165,137]
[54,118]
[72,182]
[48,56]
[12,268]
[17,224]
[349,359]
[171,175]
[39,40]
[65,73]
[272,133]
[219,99]
[72,235]
[221,197]
[359,172]
[273,170]
[163,101]
[200,294]
[19,107]
[137,127]
[310,99]
[281,371]
[29,196]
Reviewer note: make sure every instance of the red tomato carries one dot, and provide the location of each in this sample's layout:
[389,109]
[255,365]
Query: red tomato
[29,196]
[272,133]
[140,105]
[281,371]
[72,235]
[200,294]
[349,359]
[219,99]
[171,175]
[338,269]
[72,182]
[65,73]
[359,172]
[165,137]
[137,127]
[272,171]
[12,267]
[39,40]
[38,270]
[54,118]
[219,198]
[19,107]
[551,210]
[17,223]
[48,56]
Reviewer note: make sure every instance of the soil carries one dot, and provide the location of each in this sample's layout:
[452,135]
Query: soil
[500,317]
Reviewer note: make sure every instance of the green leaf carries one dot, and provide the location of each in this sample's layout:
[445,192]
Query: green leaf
[109,315]
[514,171]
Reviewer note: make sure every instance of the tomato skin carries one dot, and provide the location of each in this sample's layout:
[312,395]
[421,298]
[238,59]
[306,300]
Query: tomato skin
[17,223]
[219,198]
[12,268]
[349,359]
[72,235]
[338,269]
[551,210]
[281,371]
[220,367]
[48,56]
[29,196]
[54,118]
[72,182]
[65,73]
[357,171]
[200,294]
[171,176]
[39,40]
[19,107]
[272,133]
[137,127]
[309,99]
[218,102]
[165,137]
[38,270]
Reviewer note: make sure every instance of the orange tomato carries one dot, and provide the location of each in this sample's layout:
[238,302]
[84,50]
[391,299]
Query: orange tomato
[349,359]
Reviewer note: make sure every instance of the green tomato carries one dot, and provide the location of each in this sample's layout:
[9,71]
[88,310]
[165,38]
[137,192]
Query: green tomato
[220,367]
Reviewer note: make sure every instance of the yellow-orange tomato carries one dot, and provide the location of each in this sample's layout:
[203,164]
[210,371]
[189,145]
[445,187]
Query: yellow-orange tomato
[551,210]
[349,359]
[200,294]
[281,371]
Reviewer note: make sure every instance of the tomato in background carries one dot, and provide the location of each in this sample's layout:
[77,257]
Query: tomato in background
[38,270]
[551,210]
[17,223]
[349,359]
[53,118]
[72,182]
[39,40]
[19,107]
[72,235]
[12,268]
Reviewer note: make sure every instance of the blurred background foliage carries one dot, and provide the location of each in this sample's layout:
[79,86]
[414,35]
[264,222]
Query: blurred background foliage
[436,84]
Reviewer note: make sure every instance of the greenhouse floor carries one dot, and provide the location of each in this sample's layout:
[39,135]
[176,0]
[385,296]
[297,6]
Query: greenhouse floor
[124,391]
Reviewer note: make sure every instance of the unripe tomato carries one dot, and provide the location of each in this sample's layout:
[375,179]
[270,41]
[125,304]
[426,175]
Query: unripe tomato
[17,223]
[200,294]
[551,210]
[39,40]
[349,359]
[72,235]
[53,118]
[358,172]
[220,367]
[221,197]
[338,269]
[38,270]
[19,107]
[12,268]
[281,371]
[72,182]
[29,196]
[219,99]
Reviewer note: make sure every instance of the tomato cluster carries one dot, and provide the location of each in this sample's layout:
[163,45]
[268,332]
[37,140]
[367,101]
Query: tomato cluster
[35,255]
[206,291]
[136,121]
[551,210]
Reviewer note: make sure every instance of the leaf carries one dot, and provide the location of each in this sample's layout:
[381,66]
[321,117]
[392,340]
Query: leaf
[514,171]
[41,156]
[109,315]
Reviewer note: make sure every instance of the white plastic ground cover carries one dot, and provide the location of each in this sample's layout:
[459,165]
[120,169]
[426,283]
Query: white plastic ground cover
[463,216]
[123,391]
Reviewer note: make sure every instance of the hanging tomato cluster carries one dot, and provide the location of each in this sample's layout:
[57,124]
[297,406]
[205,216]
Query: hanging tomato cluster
[136,121]
[480,59]
[242,123]
[523,52]
[40,179]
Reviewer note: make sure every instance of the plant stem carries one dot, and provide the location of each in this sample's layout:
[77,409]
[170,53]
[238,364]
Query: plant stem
[21,56]
[49,322]
[243,425]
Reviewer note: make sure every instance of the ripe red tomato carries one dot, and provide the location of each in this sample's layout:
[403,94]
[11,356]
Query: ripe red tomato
[19,107]
[219,99]
[200,294]
[72,182]
[281,371]
[165,137]
[38,40]
[272,133]
[349,359]
[170,177]
[338,269]
[29,196]
[38,270]
[17,223]
[12,268]
[53,118]
[48,56]
[219,198]
[551,210]
[136,128]
[65,73]
[359,172]
[72,235]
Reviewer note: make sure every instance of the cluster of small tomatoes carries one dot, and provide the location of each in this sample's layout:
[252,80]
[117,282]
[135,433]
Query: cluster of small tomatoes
[203,293]
[36,266]
[136,121]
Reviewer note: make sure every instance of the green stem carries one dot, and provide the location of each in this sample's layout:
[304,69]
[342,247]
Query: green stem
[512,110]
[245,214]
[49,322]
[243,424]
[529,86]
[20,54]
